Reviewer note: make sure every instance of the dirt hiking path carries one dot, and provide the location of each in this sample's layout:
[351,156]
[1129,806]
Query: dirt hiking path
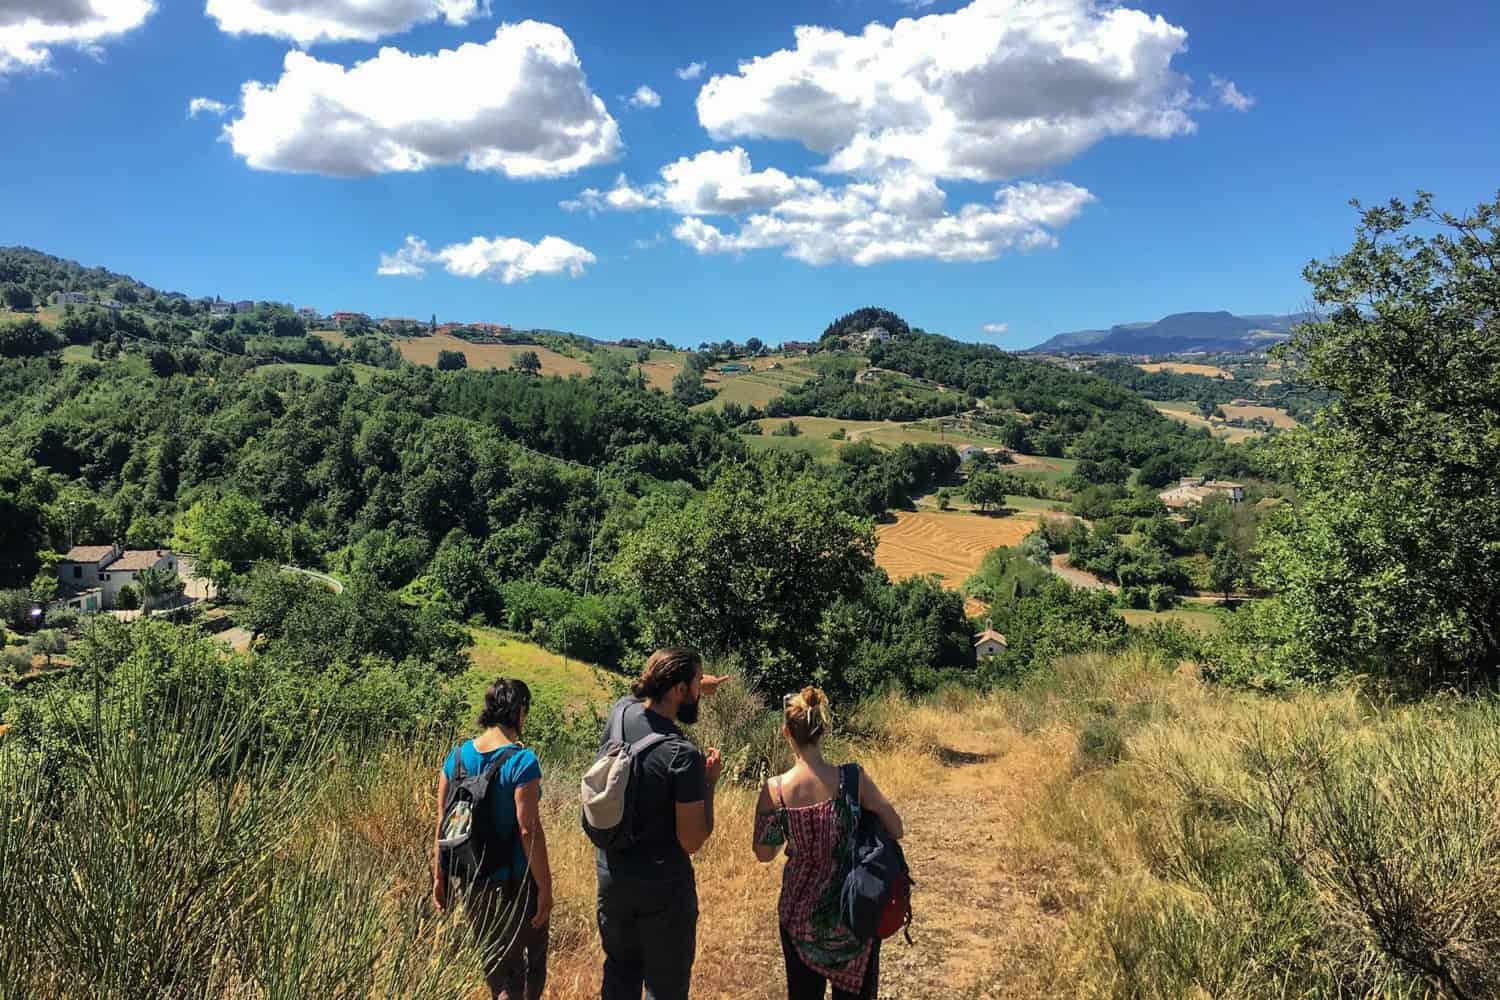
[982,922]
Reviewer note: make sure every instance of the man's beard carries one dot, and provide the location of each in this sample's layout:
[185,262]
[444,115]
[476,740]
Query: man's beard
[687,712]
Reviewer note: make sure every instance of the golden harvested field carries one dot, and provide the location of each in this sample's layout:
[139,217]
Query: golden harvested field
[1183,368]
[1278,418]
[424,351]
[1185,413]
[950,544]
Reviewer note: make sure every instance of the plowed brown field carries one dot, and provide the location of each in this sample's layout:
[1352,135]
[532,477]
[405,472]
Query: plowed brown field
[949,543]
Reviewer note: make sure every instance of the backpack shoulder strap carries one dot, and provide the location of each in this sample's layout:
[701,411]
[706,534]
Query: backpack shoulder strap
[491,769]
[849,785]
[649,742]
[459,772]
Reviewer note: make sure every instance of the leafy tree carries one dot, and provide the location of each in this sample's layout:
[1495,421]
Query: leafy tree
[528,362]
[1389,560]
[15,608]
[156,583]
[987,489]
[25,339]
[17,298]
[48,642]
[643,354]
[463,573]
[451,361]
[128,598]
[1226,570]
[747,568]
[1158,470]
[754,345]
[229,535]
[688,388]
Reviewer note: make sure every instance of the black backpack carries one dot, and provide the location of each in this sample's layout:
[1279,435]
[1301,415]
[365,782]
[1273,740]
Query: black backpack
[875,901]
[469,847]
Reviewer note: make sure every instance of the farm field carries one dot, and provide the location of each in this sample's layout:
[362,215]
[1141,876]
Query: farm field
[424,351]
[1188,414]
[362,373]
[1200,619]
[1183,368]
[77,354]
[571,683]
[48,316]
[950,544]
[1278,418]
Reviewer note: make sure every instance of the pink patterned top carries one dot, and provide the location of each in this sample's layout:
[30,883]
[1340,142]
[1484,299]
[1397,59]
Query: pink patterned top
[817,861]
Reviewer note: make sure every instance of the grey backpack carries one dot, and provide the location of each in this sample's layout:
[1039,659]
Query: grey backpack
[610,785]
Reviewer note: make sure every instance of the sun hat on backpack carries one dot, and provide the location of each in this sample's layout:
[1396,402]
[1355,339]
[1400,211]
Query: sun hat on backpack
[609,786]
[469,847]
[875,900]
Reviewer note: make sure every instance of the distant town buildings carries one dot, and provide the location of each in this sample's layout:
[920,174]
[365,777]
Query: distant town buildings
[244,306]
[220,308]
[346,319]
[308,314]
[1191,491]
[796,347]
[71,298]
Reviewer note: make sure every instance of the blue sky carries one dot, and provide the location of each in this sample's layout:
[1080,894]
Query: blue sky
[1023,167]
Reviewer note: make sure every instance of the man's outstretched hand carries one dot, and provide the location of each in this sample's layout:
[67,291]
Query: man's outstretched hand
[710,683]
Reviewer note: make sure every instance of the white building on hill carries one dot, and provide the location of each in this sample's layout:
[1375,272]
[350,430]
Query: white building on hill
[108,568]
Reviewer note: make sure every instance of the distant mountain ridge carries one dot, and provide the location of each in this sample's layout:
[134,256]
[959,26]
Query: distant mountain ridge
[1180,333]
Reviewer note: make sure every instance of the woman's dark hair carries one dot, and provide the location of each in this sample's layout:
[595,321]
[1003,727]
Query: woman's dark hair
[665,670]
[504,702]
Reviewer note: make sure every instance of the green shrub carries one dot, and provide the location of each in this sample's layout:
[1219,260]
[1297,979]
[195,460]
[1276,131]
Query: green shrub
[1100,744]
[128,599]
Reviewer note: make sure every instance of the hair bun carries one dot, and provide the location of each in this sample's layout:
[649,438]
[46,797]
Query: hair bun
[812,697]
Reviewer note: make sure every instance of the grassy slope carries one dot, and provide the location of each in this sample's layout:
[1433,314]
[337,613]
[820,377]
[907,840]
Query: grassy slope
[571,683]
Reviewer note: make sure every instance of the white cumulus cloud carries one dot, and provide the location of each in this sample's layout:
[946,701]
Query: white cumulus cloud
[644,97]
[994,90]
[691,71]
[31,29]
[900,215]
[504,258]
[1229,95]
[711,183]
[996,328]
[853,225]
[308,22]
[206,105]
[518,104]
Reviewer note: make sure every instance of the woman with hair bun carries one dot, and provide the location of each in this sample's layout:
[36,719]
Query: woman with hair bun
[509,902]
[806,811]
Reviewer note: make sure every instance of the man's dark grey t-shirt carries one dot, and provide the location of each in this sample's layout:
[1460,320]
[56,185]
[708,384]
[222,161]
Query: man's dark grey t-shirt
[672,772]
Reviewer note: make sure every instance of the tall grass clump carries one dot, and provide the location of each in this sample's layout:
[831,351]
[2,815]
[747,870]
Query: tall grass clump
[168,846]
[1312,846]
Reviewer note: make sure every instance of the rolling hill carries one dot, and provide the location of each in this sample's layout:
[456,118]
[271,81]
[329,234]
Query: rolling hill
[1180,333]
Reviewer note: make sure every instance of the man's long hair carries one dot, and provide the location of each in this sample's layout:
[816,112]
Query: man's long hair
[665,670]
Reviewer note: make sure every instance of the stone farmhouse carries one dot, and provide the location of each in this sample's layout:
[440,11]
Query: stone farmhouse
[1191,491]
[92,575]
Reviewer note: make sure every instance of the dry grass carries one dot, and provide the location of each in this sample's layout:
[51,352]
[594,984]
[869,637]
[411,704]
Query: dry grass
[1186,414]
[950,544]
[1184,368]
[424,351]
[1277,417]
